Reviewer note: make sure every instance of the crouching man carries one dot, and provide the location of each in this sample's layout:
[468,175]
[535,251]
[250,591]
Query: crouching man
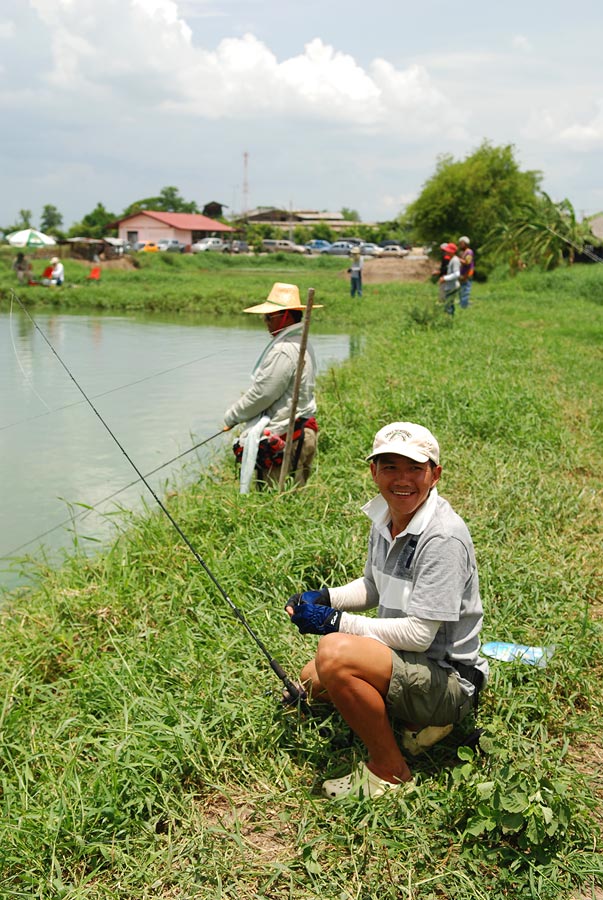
[418,660]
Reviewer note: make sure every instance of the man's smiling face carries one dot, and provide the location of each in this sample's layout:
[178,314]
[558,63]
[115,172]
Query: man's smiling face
[404,484]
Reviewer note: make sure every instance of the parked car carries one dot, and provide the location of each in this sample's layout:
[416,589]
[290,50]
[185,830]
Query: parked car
[281,246]
[390,242]
[208,243]
[237,247]
[369,249]
[148,247]
[393,250]
[339,248]
[316,245]
[171,244]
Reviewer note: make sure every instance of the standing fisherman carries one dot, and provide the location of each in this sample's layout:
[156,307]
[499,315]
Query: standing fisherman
[266,405]
[467,258]
[450,280]
[355,271]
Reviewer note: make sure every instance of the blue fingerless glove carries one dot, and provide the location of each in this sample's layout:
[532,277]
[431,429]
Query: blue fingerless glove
[313,618]
[319,598]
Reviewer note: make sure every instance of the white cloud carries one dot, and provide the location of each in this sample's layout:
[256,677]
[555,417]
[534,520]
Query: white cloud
[588,136]
[393,203]
[557,126]
[541,125]
[334,108]
[142,50]
[8,30]
[521,42]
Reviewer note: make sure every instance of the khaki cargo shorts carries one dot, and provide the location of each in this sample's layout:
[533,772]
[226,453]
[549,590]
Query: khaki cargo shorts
[421,692]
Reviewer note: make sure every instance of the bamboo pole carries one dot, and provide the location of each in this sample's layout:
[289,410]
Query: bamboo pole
[296,385]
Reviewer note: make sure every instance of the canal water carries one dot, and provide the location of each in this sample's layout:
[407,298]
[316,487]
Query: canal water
[161,384]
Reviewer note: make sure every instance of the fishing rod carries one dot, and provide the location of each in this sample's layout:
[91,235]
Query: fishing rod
[584,249]
[296,692]
[120,387]
[89,509]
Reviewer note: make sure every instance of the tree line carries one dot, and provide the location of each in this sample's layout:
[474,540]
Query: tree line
[485,195]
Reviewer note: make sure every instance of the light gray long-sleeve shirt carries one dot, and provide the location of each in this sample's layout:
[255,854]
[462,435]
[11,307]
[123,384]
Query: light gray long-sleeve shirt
[271,391]
[453,274]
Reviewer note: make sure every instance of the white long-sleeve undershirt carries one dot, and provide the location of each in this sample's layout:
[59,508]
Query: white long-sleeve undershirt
[400,633]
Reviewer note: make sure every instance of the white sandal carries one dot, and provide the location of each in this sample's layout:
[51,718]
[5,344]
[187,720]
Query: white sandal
[415,742]
[362,783]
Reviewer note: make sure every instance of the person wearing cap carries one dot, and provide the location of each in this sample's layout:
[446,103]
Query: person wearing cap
[467,260]
[450,280]
[271,391]
[58,271]
[22,267]
[418,660]
[355,272]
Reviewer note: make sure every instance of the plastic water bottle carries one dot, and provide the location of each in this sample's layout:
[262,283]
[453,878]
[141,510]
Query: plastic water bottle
[506,652]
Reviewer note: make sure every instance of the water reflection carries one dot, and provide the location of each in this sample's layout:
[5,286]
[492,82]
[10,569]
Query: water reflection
[161,383]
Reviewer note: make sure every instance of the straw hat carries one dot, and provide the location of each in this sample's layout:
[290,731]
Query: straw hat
[282,296]
[54,260]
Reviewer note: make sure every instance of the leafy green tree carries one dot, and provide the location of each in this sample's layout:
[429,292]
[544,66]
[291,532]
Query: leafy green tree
[96,224]
[541,233]
[51,220]
[323,232]
[257,232]
[394,230]
[24,220]
[470,196]
[350,215]
[301,234]
[168,200]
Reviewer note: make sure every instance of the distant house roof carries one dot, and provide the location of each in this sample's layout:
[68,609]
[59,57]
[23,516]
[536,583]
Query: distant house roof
[283,218]
[213,208]
[320,216]
[184,221]
[277,214]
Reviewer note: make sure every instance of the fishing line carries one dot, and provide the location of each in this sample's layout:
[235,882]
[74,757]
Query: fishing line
[121,387]
[295,692]
[24,373]
[90,509]
[592,256]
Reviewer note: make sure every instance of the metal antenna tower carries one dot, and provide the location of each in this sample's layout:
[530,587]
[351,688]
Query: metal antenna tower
[245,183]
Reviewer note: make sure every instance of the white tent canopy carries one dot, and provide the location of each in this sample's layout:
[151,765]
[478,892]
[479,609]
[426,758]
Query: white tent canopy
[29,237]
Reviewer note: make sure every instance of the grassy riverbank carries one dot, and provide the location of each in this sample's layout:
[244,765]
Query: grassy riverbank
[144,754]
[207,283]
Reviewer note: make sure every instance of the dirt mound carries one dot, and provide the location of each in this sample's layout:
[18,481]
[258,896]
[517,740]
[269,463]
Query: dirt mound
[414,267]
[120,262]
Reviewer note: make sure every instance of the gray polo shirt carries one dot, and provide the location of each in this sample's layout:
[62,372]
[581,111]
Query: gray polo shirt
[428,571]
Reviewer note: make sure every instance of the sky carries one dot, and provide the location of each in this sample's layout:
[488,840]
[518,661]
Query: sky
[292,103]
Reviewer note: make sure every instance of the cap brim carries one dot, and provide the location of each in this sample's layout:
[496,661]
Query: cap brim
[400,449]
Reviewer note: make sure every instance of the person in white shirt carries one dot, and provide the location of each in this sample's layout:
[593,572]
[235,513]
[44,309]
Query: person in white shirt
[58,271]
[418,660]
[355,272]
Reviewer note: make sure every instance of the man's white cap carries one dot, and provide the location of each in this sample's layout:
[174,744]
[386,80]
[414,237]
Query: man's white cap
[406,439]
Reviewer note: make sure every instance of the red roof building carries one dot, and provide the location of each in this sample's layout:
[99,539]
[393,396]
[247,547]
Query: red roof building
[149,225]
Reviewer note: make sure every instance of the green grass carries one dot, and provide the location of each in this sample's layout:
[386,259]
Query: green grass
[144,754]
